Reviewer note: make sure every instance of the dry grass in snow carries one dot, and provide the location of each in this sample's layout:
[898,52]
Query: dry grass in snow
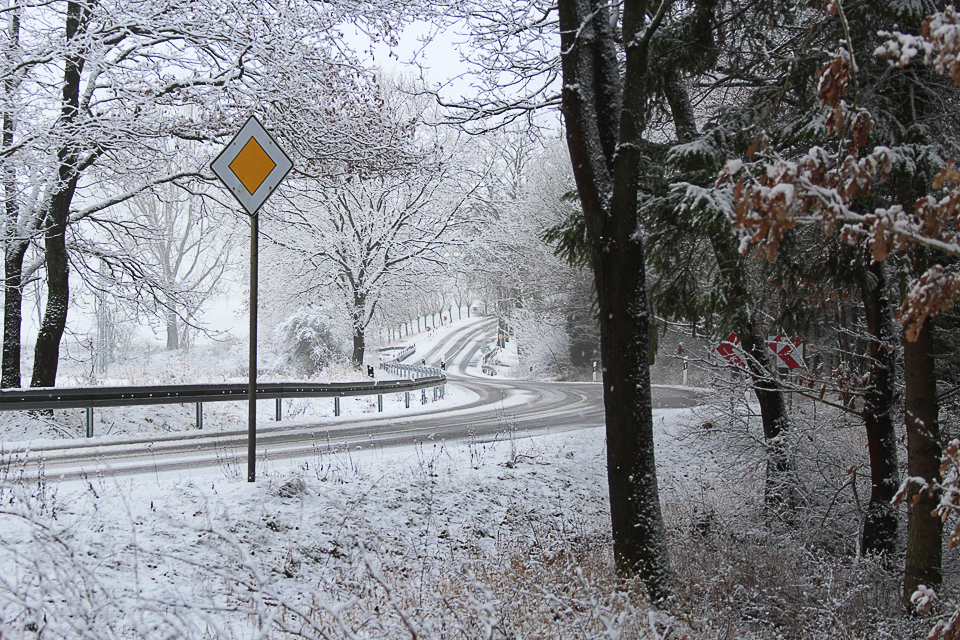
[442,540]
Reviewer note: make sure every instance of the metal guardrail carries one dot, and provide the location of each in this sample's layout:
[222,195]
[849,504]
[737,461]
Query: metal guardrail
[485,365]
[90,397]
[412,371]
[397,354]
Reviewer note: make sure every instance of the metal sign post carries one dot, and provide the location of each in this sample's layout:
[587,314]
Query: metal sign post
[252,367]
[251,166]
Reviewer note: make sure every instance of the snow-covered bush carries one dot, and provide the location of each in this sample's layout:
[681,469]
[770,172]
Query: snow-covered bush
[307,345]
[542,342]
[762,574]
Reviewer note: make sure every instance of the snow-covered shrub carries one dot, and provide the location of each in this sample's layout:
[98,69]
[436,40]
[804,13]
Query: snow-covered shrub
[307,345]
[543,343]
[759,573]
[737,573]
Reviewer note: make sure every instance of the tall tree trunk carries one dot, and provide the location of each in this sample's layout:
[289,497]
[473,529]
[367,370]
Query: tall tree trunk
[778,491]
[880,520]
[173,331]
[605,114]
[15,247]
[924,532]
[779,494]
[637,523]
[359,345]
[359,328]
[12,312]
[47,350]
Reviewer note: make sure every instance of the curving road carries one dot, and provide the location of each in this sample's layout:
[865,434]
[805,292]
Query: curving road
[502,408]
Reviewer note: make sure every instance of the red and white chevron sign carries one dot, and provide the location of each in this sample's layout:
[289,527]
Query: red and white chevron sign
[789,351]
[730,351]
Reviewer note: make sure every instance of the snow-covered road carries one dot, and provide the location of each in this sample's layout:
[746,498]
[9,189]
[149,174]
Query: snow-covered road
[488,409]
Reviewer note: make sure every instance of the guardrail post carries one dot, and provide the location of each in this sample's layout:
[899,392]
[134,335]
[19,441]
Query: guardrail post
[423,396]
[434,394]
[406,399]
[279,409]
[89,422]
[380,402]
[336,406]
[199,415]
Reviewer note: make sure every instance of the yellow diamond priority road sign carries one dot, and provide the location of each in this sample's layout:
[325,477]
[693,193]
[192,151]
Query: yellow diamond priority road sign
[252,165]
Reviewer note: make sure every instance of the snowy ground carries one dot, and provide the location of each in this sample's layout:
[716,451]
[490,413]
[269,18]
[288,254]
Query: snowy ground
[507,539]
[469,539]
[347,543]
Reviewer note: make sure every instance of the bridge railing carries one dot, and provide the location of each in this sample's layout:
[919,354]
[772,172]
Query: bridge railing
[91,397]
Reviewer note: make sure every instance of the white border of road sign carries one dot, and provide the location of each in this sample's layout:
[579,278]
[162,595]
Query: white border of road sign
[221,165]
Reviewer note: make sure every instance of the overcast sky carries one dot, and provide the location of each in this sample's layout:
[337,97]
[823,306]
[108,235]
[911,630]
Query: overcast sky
[439,61]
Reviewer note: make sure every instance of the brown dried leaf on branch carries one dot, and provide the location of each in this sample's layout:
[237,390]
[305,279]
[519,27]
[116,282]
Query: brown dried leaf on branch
[823,186]
[935,291]
[833,81]
[939,42]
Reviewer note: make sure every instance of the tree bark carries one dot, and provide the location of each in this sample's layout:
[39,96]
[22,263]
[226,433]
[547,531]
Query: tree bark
[359,345]
[12,311]
[605,114]
[880,520]
[359,338]
[779,494]
[924,532]
[15,247]
[173,331]
[637,523]
[47,350]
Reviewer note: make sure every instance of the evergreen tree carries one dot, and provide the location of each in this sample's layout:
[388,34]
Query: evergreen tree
[819,167]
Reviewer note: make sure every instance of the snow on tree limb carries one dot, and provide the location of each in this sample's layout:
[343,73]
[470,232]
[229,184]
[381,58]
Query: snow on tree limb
[773,194]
